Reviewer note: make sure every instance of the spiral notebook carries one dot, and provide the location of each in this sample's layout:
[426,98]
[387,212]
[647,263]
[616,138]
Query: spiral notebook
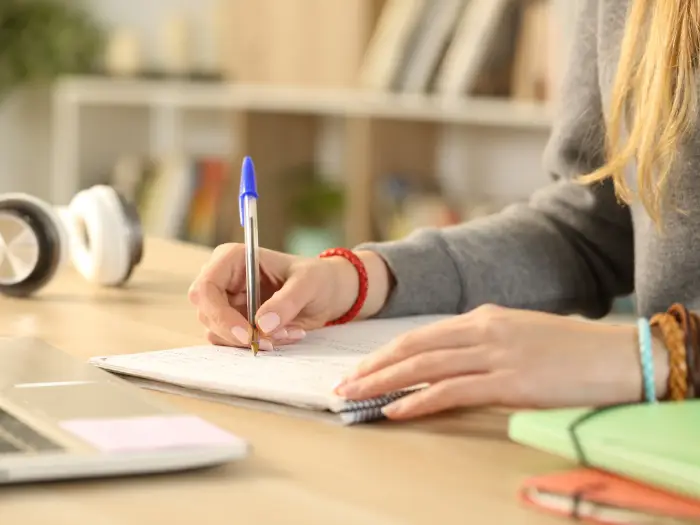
[299,376]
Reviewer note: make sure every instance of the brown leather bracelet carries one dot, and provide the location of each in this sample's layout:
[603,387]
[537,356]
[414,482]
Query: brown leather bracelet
[674,337]
[695,369]
[685,320]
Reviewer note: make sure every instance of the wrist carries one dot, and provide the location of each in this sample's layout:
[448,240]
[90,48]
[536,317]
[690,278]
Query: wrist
[633,385]
[380,283]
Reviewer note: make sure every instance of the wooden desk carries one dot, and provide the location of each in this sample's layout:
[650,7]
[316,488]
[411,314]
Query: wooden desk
[301,471]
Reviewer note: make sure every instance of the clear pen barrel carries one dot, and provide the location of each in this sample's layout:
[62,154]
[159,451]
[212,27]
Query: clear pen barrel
[250,215]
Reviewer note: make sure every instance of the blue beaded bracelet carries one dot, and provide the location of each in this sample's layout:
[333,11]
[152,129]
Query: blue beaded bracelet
[646,359]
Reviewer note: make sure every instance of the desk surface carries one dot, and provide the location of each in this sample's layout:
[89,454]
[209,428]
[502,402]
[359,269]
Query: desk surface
[301,471]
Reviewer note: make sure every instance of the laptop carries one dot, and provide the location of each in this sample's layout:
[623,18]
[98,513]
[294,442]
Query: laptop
[62,418]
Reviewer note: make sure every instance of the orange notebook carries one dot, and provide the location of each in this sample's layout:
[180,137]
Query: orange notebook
[597,497]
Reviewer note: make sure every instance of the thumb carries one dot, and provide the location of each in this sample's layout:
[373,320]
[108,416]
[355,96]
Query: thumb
[285,304]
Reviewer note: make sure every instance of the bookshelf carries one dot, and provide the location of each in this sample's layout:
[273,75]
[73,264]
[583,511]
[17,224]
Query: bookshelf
[278,96]
[266,116]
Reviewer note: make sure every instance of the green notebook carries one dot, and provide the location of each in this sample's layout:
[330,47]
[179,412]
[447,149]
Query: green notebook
[658,444]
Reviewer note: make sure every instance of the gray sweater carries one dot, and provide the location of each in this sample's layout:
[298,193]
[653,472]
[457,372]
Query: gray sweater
[571,248]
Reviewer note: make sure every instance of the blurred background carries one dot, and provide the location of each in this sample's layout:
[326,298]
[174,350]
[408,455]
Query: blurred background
[365,118]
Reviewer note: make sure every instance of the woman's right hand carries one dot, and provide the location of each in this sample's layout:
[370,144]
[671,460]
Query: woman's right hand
[296,294]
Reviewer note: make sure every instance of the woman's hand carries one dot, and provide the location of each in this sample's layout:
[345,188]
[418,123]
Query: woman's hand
[297,294]
[504,357]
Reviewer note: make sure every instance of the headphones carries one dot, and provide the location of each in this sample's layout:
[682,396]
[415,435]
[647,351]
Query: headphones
[99,231]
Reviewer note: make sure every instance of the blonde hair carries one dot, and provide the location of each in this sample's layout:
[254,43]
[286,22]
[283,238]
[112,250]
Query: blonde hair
[654,98]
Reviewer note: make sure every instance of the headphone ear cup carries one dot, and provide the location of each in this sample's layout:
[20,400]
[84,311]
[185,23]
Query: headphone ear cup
[31,245]
[89,228]
[107,242]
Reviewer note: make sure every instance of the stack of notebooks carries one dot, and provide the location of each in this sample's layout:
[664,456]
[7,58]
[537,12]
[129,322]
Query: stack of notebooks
[643,462]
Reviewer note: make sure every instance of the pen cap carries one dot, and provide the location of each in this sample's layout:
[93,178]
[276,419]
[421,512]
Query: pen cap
[248,187]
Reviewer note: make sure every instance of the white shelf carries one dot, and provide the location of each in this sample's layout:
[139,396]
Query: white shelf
[330,102]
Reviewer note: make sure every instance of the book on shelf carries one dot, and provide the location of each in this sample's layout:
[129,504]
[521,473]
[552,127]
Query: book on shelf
[478,32]
[533,72]
[503,48]
[430,39]
[398,20]
[178,197]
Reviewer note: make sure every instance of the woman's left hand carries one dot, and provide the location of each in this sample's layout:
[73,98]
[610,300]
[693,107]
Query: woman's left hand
[504,357]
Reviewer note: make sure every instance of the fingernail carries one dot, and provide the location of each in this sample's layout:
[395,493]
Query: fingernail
[343,381]
[337,386]
[241,334]
[392,409]
[266,345]
[347,389]
[268,322]
[296,333]
[280,334]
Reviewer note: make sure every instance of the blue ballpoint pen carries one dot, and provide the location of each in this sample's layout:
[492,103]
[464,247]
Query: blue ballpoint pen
[248,210]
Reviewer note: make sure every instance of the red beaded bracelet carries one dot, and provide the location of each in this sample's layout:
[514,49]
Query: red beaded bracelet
[364,283]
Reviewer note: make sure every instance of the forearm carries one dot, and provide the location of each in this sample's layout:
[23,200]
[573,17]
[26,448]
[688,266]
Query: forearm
[551,254]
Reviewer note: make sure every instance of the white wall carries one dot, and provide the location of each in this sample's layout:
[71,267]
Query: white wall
[24,142]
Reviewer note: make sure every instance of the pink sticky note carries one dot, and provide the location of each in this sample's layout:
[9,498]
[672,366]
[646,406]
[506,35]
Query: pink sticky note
[147,433]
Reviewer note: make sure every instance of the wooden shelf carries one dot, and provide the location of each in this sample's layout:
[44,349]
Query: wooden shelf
[312,101]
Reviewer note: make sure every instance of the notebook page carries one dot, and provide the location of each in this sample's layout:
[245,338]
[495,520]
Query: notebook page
[301,375]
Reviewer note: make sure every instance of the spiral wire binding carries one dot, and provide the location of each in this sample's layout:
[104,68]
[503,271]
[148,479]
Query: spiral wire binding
[368,410]
[366,415]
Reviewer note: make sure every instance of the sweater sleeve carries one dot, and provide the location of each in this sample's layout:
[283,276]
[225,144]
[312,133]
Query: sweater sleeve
[568,250]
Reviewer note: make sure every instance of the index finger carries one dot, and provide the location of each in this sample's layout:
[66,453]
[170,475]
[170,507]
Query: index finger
[226,261]
[211,292]
[215,305]
[219,270]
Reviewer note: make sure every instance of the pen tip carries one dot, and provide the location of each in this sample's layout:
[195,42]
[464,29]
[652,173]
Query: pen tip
[255,347]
